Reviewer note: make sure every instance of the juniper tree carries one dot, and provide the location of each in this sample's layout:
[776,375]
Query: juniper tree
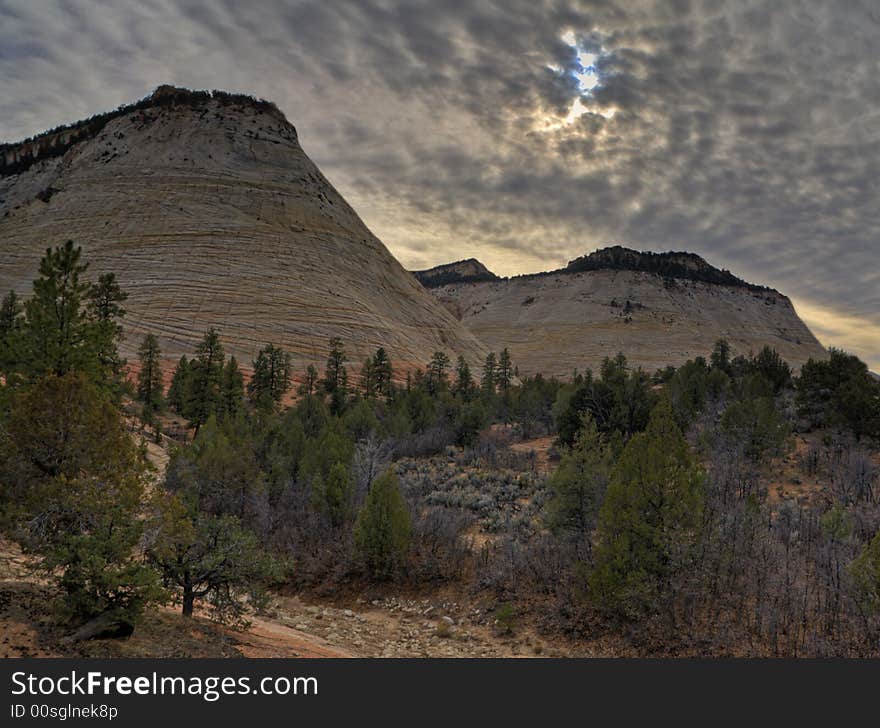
[720,357]
[149,380]
[332,495]
[650,520]
[75,481]
[207,557]
[578,485]
[383,527]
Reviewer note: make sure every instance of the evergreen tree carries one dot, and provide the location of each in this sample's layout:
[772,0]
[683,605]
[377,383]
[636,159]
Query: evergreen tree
[336,376]
[271,378]
[207,557]
[309,384]
[865,572]
[206,379]
[382,373]
[149,381]
[332,495]
[504,374]
[464,381]
[106,310]
[231,389]
[650,520]
[75,480]
[179,389]
[11,310]
[11,320]
[773,368]
[489,380]
[579,483]
[57,337]
[383,527]
[368,378]
[437,372]
[720,357]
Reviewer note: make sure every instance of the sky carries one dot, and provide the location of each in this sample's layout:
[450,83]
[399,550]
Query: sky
[527,133]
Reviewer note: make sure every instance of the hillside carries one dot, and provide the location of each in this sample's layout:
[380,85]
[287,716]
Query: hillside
[210,214]
[658,309]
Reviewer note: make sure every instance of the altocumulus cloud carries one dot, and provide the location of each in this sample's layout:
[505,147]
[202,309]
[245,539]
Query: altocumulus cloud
[746,131]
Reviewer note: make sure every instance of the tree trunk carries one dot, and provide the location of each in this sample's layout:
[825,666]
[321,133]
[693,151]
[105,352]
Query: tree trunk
[188,598]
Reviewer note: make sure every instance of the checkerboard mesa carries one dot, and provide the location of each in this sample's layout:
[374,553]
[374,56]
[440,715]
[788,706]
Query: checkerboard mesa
[211,215]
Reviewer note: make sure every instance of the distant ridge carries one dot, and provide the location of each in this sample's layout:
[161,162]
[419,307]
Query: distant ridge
[659,309]
[672,265]
[462,271]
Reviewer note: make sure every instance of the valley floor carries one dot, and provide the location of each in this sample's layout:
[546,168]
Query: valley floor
[386,626]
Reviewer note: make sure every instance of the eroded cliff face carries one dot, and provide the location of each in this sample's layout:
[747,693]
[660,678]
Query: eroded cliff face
[210,214]
[557,322]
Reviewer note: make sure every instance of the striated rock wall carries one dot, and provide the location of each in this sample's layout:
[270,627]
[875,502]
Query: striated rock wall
[211,214]
[557,322]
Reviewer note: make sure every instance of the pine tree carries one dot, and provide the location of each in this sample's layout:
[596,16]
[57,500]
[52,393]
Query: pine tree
[383,527]
[437,378]
[650,520]
[578,485]
[309,384]
[11,321]
[490,373]
[720,357]
[179,390]
[105,309]
[206,377]
[464,381]
[57,337]
[231,389]
[382,373]
[504,374]
[150,386]
[271,378]
[336,376]
[368,379]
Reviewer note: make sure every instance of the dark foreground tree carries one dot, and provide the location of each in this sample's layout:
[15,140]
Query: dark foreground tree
[74,485]
[207,557]
[578,485]
[650,520]
[149,380]
[383,527]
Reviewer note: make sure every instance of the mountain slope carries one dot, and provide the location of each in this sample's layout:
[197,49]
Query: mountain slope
[210,213]
[658,309]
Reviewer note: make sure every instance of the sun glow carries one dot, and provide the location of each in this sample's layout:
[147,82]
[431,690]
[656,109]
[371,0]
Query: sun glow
[587,76]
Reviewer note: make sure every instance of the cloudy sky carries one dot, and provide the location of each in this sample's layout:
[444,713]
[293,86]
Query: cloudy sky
[526,133]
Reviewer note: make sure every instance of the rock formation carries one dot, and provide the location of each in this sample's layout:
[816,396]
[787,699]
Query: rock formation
[658,309]
[210,214]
